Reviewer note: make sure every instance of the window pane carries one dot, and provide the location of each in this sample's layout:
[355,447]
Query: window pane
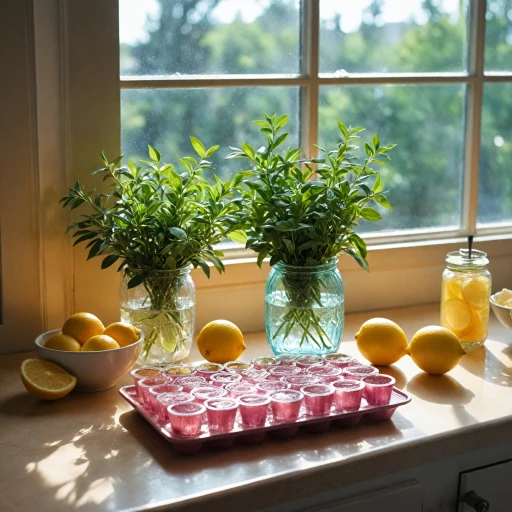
[498,36]
[426,122]
[166,118]
[392,36]
[166,37]
[495,190]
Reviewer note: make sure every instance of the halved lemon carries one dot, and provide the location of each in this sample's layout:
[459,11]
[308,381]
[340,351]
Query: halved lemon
[476,292]
[46,380]
[457,314]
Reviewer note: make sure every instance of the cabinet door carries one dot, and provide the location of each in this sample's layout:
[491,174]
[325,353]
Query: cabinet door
[406,497]
[492,483]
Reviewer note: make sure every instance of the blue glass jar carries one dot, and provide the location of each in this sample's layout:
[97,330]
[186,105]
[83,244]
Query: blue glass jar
[304,308]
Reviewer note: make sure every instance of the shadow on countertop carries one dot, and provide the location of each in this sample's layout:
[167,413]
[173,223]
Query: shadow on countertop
[483,363]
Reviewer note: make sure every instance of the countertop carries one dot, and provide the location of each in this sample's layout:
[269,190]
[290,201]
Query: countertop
[91,451]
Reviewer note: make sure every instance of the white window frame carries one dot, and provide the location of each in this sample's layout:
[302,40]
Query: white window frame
[405,266]
[310,81]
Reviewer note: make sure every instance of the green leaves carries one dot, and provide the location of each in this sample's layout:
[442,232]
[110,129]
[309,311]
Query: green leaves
[305,215]
[154,217]
[370,214]
[198,147]
[154,154]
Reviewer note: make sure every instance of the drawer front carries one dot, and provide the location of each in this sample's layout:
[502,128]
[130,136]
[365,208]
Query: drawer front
[492,483]
[406,497]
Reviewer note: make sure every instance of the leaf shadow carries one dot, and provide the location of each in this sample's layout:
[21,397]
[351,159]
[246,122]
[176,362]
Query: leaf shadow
[481,362]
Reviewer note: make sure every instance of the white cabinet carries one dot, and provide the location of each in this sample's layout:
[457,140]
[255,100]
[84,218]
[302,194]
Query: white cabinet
[491,483]
[406,497]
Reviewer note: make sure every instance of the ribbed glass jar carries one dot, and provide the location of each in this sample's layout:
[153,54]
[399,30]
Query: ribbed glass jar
[465,292]
[163,307]
[304,308]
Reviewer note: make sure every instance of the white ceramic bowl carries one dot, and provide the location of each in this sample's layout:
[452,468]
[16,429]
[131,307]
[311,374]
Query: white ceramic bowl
[94,371]
[502,313]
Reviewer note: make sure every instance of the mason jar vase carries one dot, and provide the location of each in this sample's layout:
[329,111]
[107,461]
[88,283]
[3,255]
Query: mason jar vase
[304,308]
[163,307]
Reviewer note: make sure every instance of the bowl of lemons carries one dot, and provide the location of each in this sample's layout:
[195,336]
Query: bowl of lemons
[96,355]
[501,304]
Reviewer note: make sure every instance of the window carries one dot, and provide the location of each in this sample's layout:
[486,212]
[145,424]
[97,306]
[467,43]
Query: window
[432,76]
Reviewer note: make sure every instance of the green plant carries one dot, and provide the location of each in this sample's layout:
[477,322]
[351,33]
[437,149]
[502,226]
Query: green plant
[304,216]
[154,218]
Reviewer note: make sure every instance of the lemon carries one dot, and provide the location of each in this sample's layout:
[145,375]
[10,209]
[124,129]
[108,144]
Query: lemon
[476,292]
[381,341]
[457,314]
[100,342]
[504,298]
[435,350]
[46,380]
[478,327]
[454,288]
[124,334]
[220,341]
[63,342]
[82,326]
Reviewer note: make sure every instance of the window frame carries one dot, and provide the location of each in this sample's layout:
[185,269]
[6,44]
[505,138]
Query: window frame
[86,69]
[309,80]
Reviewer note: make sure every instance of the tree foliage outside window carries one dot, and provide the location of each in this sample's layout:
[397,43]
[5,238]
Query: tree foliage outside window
[427,121]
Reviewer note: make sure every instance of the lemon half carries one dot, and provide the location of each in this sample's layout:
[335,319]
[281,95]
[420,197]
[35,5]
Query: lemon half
[46,380]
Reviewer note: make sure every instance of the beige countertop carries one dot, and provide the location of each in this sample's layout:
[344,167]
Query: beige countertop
[93,452]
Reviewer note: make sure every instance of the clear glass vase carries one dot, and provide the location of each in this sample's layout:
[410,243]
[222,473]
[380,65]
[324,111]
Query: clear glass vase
[163,307]
[304,308]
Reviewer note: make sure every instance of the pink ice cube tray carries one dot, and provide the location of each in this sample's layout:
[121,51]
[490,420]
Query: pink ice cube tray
[255,434]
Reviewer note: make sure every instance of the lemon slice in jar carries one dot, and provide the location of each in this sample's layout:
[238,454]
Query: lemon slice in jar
[454,288]
[476,292]
[457,314]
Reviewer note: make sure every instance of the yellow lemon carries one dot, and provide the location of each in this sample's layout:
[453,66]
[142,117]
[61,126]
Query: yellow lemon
[100,342]
[453,288]
[46,380]
[476,292]
[435,350]
[82,326]
[124,334]
[478,327]
[381,341]
[457,315]
[220,341]
[63,342]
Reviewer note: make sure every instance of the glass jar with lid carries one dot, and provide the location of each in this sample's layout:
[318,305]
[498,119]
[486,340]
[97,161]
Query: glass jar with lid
[465,292]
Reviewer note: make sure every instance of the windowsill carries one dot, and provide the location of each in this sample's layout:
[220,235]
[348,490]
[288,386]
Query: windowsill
[462,412]
[401,275]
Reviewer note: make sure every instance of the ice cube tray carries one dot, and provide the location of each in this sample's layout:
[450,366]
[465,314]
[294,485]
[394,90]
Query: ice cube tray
[189,445]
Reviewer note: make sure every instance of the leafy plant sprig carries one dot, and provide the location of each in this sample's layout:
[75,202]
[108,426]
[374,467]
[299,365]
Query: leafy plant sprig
[305,216]
[153,218]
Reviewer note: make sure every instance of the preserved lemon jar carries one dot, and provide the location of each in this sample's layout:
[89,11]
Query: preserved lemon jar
[465,293]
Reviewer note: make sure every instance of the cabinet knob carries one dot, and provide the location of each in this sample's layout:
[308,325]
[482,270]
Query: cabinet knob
[472,499]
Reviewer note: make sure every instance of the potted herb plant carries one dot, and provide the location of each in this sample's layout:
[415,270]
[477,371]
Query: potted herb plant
[156,224]
[302,218]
